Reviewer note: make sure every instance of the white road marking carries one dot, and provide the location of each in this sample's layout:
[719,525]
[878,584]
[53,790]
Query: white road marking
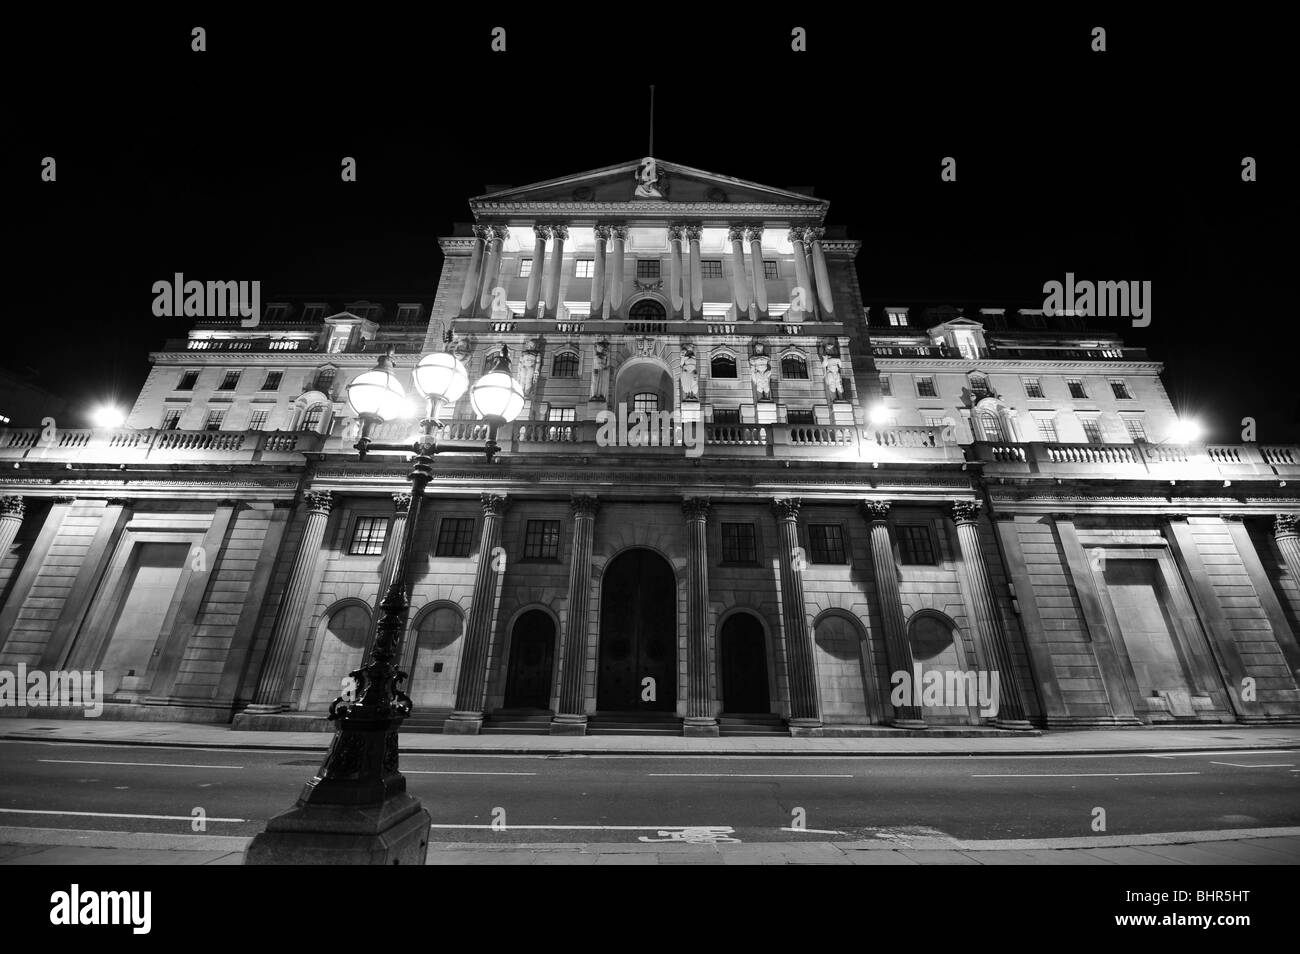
[1252,765]
[188,818]
[814,831]
[490,827]
[147,764]
[431,772]
[733,775]
[1084,774]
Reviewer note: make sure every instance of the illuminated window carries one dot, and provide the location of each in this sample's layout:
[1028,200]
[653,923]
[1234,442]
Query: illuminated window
[1135,430]
[368,535]
[172,418]
[647,401]
[584,268]
[562,414]
[257,421]
[525,267]
[1047,428]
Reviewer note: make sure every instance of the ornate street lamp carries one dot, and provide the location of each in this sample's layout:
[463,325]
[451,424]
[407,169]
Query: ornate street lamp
[356,809]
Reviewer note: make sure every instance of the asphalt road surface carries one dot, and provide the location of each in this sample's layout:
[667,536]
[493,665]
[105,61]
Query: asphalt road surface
[617,798]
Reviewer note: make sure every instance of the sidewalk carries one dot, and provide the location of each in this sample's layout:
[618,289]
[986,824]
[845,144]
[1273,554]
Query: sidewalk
[1277,846]
[1206,738]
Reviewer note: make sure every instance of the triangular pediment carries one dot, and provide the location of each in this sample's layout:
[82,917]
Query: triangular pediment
[625,186]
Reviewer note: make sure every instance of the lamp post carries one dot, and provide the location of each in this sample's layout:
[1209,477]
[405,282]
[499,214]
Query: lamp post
[356,810]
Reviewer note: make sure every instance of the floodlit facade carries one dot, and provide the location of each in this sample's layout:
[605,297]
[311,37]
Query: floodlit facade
[739,500]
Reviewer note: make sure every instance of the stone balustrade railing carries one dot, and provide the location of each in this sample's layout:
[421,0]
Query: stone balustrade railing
[113,446]
[1141,460]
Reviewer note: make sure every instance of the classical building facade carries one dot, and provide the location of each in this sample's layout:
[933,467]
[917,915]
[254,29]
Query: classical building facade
[739,499]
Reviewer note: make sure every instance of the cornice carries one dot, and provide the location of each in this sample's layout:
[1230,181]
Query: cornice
[895,363]
[642,208]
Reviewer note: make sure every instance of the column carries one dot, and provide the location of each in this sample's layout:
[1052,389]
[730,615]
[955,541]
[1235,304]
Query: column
[988,624]
[615,302]
[739,283]
[800,668]
[541,233]
[693,233]
[678,293]
[701,719]
[1286,531]
[11,518]
[561,232]
[801,278]
[499,233]
[823,275]
[897,649]
[467,718]
[754,234]
[472,277]
[571,716]
[814,310]
[601,233]
[275,679]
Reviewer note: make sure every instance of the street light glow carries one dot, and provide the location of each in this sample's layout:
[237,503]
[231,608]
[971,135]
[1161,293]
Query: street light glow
[108,416]
[1187,430]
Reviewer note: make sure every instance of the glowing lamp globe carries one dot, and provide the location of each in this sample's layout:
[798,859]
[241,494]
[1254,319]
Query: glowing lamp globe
[108,416]
[496,397]
[377,394]
[879,415]
[1186,431]
[441,376]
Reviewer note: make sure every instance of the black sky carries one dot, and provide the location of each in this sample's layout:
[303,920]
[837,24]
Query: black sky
[225,164]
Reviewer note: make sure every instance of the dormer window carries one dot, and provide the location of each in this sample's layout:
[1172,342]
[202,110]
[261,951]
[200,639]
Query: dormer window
[276,311]
[408,314]
[313,313]
[967,344]
[897,317]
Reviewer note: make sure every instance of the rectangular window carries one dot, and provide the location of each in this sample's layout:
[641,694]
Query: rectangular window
[711,268]
[915,544]
[525,267]
[801,416]
[565,365]
[542,540]
[275,312]
[257,421]
[1047,429]
[925,387]
[273,379]
[739,543]
[408,314]
[213,420]
[562,414]
[584,268]
[1077,389]
[368,535]
[647,268]
[187,381]
[230,381]
[886,386]
[826,542]
[897,319]
[1135,430]
[172,418]
[1120,389]
[454,537]
[1033,388]
[1092,430]
[770,272]
[313,313]
[726,415]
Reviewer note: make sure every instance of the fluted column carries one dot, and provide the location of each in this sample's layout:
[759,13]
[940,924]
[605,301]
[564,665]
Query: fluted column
[616,273]
[801,671]
[823,275]
[275,677]
[988,625]
[472,278]
[601,233]
[541,233]
[693,233]
[677,292]
[754,234]
[560,232]
[801,278]
[467,717]
[814,306]
[499,234]
[701,720]
[1286,531]
[897,649]
[571,716]
[739,282]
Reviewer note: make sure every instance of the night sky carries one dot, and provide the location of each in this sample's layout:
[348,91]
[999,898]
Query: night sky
[1123,165]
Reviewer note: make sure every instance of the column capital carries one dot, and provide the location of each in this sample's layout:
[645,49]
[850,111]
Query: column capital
[318,501]
[602,232]
[11,506]
[796,234]
[560,231]
[494,504]
[401,503]
[813,233]
[1286,525]
[754,233]
[483,233]
[695,508]
[542,231]
[966,511]
[694,231]
[500,233]
[786,508]
[876,510]
[620,232]
[584,505]
[676,232]
[736,233]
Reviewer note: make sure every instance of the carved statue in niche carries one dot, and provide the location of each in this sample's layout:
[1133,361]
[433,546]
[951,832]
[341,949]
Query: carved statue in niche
[832,369]
[760,370]
[690,378]
[529,365]
[600,371]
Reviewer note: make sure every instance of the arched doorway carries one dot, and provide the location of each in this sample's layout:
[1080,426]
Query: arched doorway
[838,650]
[342,644]
[743,652]
[638,634]
[532,656]
[936,647]
[434,661]
[647,309]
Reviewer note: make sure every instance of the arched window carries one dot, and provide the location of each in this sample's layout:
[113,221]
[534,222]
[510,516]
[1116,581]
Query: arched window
[988,427]
[311,420]
[979,382]
[647,309]
[722,366]
[645,401]
[794,366]
[565,365]
[324,382]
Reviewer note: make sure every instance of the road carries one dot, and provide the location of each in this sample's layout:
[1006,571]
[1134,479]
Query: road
[616,798]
